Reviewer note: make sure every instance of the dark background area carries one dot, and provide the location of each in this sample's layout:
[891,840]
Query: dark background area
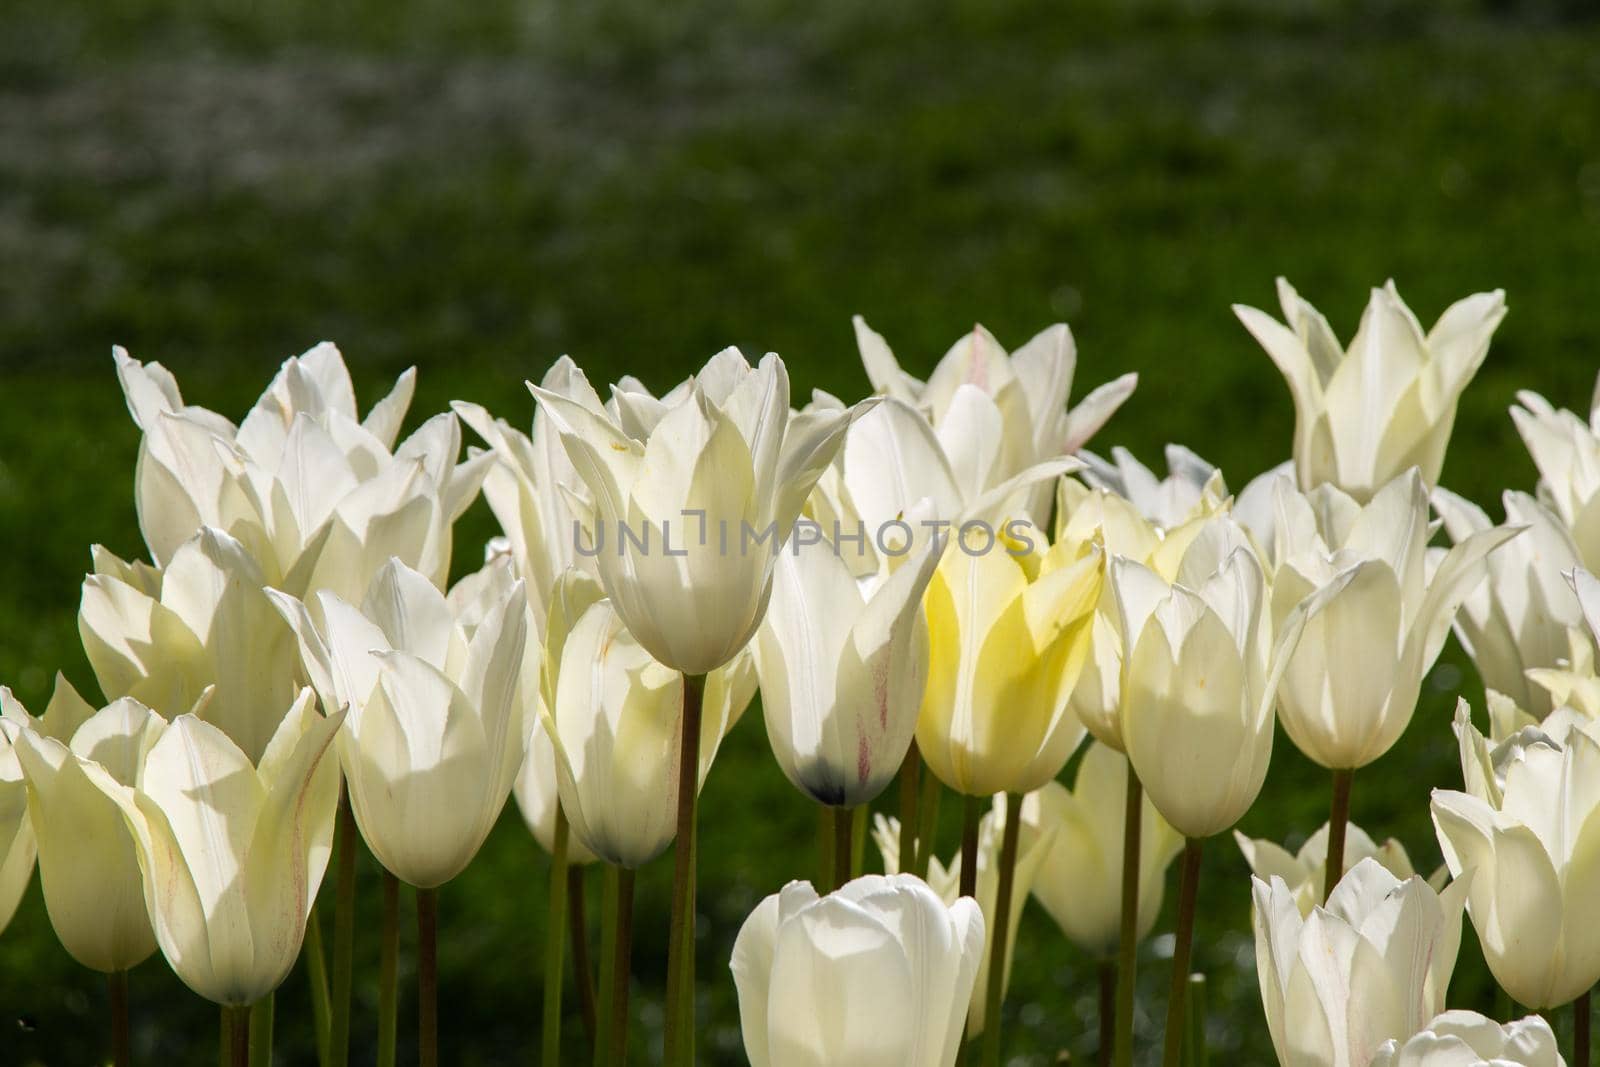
[479,188]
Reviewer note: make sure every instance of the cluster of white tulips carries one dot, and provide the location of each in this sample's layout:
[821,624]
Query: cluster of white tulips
[933,589]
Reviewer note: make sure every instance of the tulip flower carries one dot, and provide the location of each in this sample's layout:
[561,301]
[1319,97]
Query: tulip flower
[164,636]
[232,852]
[88,864]
[876,972]
[613,716]
[997,414]
[1571,682]
[1080,878]
[1467,1039]
[530,487]
[1199,678]
[691,496]
[18,847]
[1370,965]
[1566,450]
[1517,618]
[439,717]
[1008,633]
[1192,486]
[1390,616]
[842,671]
[319,497]
[1366,413]
[1305,871]
[1034,843]
[1528,830]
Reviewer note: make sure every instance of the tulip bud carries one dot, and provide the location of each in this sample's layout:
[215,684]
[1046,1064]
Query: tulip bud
[1566,450]
[877,972]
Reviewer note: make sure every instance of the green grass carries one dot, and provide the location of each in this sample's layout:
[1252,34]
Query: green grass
[478,188]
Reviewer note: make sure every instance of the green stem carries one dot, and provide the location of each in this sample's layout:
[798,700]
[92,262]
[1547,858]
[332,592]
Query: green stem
[117,985]
[1338,819]
[1178,996]
[928,819]
[843,838]
[609,893]
[1128,941]
[235,1036]
[317,976]
[260,1030]
[825,847]
[971,813]
[858,840]
[554,941]
[579,924]
[906,862]
[1106,971]
[428,977]
[344,936]
[679,1036]
[1581,1019]
[995,994]
[621,969]
[389,973]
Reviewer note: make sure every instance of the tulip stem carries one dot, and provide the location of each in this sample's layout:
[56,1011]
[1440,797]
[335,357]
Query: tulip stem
[910,828]
[579,924]
[995,994]
[1338,819]
[317,975]
[971,813]
[1107,972]
[389,973]
[1195,1054]
[825,846]
[609,892]
[344,929]
[843,845]
[621,965]
[260,1030]
[928,819]
[680,943]
[1128,941]
[1580,1030]
[554,942]
[235,1036]
[117,985]
[1178,997]
[428,977]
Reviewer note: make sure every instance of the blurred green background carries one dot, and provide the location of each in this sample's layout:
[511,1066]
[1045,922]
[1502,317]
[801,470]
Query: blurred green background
[478,188]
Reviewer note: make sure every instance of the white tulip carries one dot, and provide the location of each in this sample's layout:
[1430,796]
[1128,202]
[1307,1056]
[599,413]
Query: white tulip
[319,498]
[88,865]
[163,636]
[1033,846]
[1566,450]
[1517,618]
[995,414]
[1389,618]
[1192,486]
[1123,528]
[691,495]
[842,670]
[232,852]
[439,715]
[1305,871]
[614,716]
[1467,1039]
[875,973]
[1079,881]
[1199,678]
[1529,831]
[531,484]
[538,795]
[1365,414]
[1374,963]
